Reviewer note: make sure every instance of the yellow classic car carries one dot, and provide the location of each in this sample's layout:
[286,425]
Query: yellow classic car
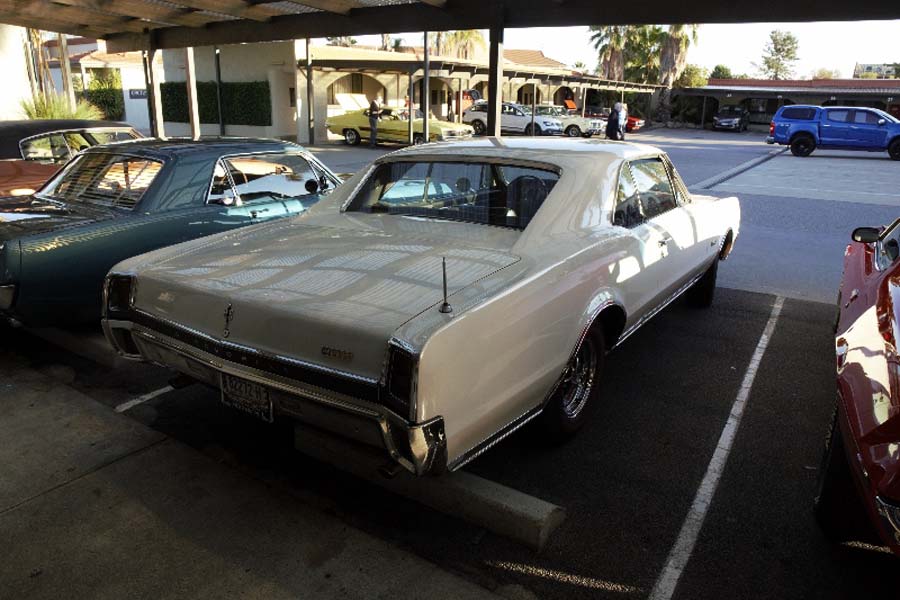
[394,127]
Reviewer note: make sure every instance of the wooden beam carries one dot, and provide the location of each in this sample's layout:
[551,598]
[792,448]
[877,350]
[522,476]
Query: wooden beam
[53,25]
[45,9]
[158,13]
[341,7]
[235,8]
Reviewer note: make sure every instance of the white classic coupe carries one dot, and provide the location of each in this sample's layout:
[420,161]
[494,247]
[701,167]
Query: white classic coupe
[436,301]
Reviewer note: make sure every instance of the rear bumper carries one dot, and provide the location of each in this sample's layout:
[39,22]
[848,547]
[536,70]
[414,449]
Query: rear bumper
[420,448]
[770,139]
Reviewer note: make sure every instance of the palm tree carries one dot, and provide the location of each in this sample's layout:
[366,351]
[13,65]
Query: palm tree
[438,47]
[641,54]
[610,41]
[464,41]
[672,60]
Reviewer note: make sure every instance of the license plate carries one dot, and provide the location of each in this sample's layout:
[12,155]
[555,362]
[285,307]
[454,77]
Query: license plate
[247,396]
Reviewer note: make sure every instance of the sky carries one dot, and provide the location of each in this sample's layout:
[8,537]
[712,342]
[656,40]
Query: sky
[830,45]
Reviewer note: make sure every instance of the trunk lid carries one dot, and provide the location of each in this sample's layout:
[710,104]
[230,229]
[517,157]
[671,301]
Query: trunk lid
[327,295]
[29,215]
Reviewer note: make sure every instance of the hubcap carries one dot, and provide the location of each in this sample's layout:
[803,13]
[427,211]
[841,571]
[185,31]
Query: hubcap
[573,132]
[578,380]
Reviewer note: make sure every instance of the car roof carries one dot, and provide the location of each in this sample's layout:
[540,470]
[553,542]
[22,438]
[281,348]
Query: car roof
[551,150]
[214,145]
[12,132]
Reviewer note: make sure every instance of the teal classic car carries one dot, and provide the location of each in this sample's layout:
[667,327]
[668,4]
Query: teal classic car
[119,200]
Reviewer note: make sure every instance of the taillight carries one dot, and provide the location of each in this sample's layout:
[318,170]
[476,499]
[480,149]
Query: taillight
[119,292]
[772,128]
[401,381]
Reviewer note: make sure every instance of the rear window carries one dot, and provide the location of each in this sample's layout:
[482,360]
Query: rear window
[799,113]
[505,195]
[107,179]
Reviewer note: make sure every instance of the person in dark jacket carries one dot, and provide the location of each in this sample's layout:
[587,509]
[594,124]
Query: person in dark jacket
[374,115]
[612,123]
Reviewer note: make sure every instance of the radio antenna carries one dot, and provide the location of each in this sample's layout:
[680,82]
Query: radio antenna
[445,307]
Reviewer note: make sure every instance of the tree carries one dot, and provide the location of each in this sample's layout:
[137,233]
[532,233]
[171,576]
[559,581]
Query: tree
[610,41]
[56,106]
[579,66]
[869,75]
[672,61]
[826,74]
[642,53]
[721,72]
[693,76]
[779,55]
[341,40]
[464,41]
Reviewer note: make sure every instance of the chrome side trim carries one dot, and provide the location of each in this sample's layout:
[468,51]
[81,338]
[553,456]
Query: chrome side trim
[491,441]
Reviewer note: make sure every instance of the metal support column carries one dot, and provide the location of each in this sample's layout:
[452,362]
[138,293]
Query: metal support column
[310,101]
[459,102]
[533,102]
[495,75]
[190,73]
[154,95]
[219,91]
[411,106]
[584,101]
[703,113]
[426,94]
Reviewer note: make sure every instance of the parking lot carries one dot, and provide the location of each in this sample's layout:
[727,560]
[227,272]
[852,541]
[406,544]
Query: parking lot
[178,490]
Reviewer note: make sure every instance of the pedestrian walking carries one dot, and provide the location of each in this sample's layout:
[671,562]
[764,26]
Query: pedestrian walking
[623,120]
[374,115]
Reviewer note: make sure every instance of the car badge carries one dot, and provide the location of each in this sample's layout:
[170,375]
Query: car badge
[337,353]
[229,316]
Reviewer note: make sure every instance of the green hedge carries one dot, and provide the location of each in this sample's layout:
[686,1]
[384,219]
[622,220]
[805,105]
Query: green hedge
[244,103]
[109,101]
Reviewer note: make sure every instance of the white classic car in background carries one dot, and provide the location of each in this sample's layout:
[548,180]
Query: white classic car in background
[514,118]
[555,251]
[573,124]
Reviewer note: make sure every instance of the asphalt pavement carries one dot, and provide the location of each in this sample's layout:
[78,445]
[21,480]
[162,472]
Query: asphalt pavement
[627,481]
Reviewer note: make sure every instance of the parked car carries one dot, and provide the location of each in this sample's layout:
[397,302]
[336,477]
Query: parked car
[859,481]
[514,118]
[32,151]
[805,128]
[574,125]
[736,118]
[112,202]
[632,123]
[439,299]
[394,127]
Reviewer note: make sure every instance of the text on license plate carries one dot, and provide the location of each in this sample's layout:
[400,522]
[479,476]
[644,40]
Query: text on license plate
[247,396]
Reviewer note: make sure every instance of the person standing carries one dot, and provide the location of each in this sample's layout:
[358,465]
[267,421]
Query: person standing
[374,115]
[612,123]
[623,120]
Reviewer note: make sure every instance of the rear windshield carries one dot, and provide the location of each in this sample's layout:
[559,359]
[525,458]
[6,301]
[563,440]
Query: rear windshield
[106,179]
[504,195]
[799,113]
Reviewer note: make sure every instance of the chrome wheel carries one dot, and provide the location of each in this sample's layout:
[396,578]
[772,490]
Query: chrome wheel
[351,137]
[478,127]
[578,380]
[573,131]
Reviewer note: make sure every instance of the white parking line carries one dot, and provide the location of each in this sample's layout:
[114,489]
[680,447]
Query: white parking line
[690,530]
[141,399]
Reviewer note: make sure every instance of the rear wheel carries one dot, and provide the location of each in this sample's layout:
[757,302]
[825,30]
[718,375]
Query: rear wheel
[894,149]
[573,131]
[478,127]
[351,136]
[535,131]
[418,138]
[703,291]
[802,145]
[577,391]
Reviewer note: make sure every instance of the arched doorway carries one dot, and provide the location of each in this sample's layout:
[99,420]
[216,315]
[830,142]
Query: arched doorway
[353,89]
[524,94]
[562,94]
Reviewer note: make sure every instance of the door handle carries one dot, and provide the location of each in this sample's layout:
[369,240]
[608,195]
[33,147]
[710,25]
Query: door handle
[663,242]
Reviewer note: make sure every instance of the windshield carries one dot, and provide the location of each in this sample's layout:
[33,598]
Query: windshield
[731,111]
[552,111]
[399,114]
[106,179]
[887,116]
[505,195]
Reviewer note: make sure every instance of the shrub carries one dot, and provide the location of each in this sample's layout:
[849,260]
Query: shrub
[56,106]
[110,102]
[243,103]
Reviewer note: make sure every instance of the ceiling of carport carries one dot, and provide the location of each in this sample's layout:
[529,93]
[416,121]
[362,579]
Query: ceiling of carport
[142,24]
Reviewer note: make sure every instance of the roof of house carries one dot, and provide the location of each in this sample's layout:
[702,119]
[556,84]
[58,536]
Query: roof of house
[807,83]
[531,58]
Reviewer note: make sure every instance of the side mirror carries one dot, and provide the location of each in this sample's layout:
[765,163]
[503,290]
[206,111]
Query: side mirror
[881,122]
[866,235]
[312,186]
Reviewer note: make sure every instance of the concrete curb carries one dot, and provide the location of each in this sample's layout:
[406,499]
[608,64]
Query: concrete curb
[490,505]
[715,180]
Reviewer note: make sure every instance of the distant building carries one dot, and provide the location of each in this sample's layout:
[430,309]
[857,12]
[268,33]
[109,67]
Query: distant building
[881,71]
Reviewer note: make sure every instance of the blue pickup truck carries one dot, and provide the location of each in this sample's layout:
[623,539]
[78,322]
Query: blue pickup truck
[805,128]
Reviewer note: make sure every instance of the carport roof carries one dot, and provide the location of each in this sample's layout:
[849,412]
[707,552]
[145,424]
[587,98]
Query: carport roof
[865,87]
[143,24]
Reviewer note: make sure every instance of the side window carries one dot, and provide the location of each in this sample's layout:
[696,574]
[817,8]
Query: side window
[682,195]
[889,247]
[838,116]
[628,211]
[221,191]
[77,142]
[654,187]
[267,177]
[47,148]
[864,117]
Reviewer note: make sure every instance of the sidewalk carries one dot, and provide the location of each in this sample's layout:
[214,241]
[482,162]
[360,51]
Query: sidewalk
[95,505]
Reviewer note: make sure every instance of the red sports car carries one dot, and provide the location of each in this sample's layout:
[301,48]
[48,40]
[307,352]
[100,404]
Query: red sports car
[859,482]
